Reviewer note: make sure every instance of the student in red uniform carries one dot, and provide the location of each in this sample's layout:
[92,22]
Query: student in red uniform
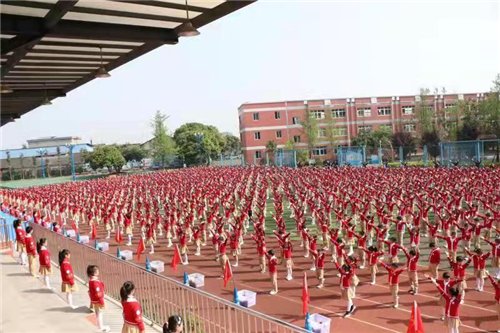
[496,285]
[346,286]
[445,283]
[96,294]
[68,284]
[479,261]
[44,260]
[393,278]
[373,255]
[434,260]
[453,300]
[132,311]
[287,253]
[495,255]
[273,270]
[20,241]
[459,267]
[412,257]
[30,250]
[319,265]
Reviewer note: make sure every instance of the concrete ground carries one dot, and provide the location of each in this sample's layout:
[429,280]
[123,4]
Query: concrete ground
[26,306]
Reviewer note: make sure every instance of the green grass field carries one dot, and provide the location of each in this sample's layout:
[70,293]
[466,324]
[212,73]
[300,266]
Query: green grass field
[23,183]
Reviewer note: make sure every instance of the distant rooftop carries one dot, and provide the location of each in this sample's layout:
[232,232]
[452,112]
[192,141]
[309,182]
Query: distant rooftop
[47,138]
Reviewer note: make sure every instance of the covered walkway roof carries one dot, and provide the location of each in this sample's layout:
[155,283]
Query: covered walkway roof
[50,47]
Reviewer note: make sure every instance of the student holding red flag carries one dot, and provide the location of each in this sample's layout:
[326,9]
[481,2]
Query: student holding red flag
[118,236]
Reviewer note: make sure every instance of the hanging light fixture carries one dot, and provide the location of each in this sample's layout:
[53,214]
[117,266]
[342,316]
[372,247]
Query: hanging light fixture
[46,101]
[5,89]
[102,72]
[187,29]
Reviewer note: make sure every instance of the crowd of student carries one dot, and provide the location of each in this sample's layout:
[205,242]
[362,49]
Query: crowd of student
[363,218]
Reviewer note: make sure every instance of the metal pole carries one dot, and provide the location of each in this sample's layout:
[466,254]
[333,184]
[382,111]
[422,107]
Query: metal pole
[72,156]
[42,163]
[441,153]
[294,158]
[425,155]
[401,157]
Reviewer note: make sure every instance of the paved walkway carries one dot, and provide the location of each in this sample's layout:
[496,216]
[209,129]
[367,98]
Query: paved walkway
[26,306]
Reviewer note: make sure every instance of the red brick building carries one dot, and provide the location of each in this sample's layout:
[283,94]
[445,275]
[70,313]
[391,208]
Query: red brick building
[339,120]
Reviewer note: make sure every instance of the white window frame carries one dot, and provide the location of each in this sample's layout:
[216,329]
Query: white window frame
[340,131]
[256,116]
[408,110]
[449,106]
[384,110]
[317,114]
[295,121]
[410,128]
[322,132]
[256,135]
[364,112]
[338,113]
[280,134]
[295,138]
[369,128]
[319,151]
[277,115]
[258,154]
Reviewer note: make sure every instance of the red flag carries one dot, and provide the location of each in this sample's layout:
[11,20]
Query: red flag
[140,248]
[94,232]
[176,259]
[305,295]
[74,227]
[228,274]
[118,236]
[416,325]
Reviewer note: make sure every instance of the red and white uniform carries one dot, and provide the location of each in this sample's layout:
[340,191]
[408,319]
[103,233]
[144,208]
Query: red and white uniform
[132,313]
[435,256]
[67,272]
[96,291]
[44,257]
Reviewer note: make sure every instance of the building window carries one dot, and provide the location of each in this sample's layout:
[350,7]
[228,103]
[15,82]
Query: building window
[340,131]
[296,138]
[277,115]
[448,106]
[409,128]
[364,112]
[322,132]
[318,114]
[255,116]
[256,135]
[408,110]
[384,111]
[366,129]
[295,120]
[258,154]
[387,128]
[278,134]
[319,151]
[338,113]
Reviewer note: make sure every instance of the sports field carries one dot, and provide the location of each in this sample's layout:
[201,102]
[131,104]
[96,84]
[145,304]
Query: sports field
[363,187]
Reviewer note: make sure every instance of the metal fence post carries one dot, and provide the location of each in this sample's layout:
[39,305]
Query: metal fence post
[267,158]
[425,157]
[364,155]
[380,155]
[478,153]
[294,158]
[441,153]
[401,157]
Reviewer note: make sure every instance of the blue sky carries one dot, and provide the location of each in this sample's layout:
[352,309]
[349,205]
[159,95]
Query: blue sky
[277,50]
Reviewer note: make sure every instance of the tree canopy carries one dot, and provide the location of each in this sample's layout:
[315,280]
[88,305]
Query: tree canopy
[133,153]
[105,157]
[198,143]
[163,147]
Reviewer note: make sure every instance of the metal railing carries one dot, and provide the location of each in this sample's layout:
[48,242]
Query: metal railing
[5,234]
[161,296]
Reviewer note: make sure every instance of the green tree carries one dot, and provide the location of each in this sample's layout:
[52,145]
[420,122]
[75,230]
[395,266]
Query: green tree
[310,128]
[9,161]
[21,161]
[330,130]
[133,153]
[163,147]
[232,145]
[405,140]
[58,151]
[431,139]
[108,157]
[271,147]
[424,112]
[198,143]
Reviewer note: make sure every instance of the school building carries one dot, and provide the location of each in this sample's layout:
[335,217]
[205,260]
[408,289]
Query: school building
[338,120]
